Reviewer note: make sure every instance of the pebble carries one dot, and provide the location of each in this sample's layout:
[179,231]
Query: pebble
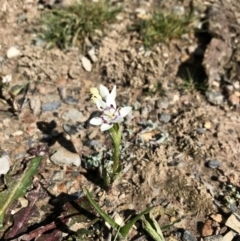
[74,115]
[17,133]
[179,10]
[86,63]
[92,55]
[162,103]
[165,117]
[215,98]
[58,176]
[201,130]
[207,125]
[234,100]
[187,236]
[207,229]
[4,164]
[213,163]
[63,156]
[51,106]
[70,129]
[95,144]
[13,52]
[70,100]
[39,42]
[21,18]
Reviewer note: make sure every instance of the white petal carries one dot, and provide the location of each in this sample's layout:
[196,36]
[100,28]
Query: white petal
[96,121]
[110,101]
[7,78]
[118,119]
[105,127]
[125,111]
[114,92]
[101,105]
[103,91]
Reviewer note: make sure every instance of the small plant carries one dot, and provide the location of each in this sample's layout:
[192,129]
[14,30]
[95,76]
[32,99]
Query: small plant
[192,83]
[159,27]
[121,231]
[8,94]
[110,120]
[70,26]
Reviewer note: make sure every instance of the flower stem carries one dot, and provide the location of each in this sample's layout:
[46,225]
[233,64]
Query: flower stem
[116,136]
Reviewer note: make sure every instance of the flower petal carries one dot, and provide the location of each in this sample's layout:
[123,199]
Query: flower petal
[105,127]
[118,119]
[114,92]
[7,78]
[103,91]
[96,121]
[125,111]
[110,101]
[101,105]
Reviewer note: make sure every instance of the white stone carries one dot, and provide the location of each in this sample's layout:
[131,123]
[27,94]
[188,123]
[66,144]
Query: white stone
[92,55]
[62,156]
[4,164]
[13,52]
[86,63]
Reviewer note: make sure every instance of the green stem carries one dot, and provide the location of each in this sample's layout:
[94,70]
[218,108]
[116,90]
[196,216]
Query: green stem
[116,135]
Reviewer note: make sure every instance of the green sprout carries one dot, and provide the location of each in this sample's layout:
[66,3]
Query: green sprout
[192,82]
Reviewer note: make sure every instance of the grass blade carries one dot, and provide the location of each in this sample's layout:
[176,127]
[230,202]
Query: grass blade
[126,228]
[104,215]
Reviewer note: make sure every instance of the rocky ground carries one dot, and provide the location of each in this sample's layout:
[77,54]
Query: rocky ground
[182,141]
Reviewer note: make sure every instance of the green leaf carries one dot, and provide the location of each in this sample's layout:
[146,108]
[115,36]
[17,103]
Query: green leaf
[17,187]
[18,89]
[152,227]
[104,215]
[126,228]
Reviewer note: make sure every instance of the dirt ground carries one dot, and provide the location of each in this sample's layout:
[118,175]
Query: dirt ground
[181,146]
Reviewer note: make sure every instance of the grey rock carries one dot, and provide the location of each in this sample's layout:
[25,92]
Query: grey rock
[95,144]
[39,42]
[70,129]
[215,98]
[74,115]
[70,100]
[51,106]
[165,117]
[162,103]
[58,176]
[62,156]
[213,163]
[1,59]
[187,236]
[201,130]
